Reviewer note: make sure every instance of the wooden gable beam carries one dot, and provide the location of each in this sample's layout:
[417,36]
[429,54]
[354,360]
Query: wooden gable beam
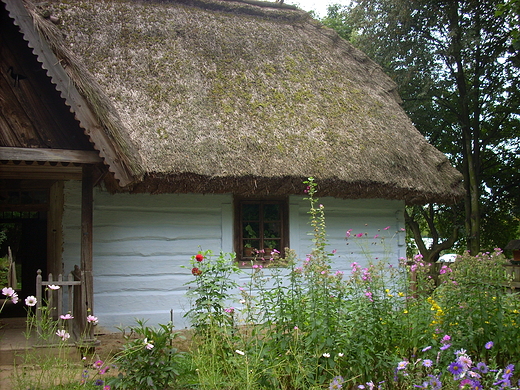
[50,155]
[73,98]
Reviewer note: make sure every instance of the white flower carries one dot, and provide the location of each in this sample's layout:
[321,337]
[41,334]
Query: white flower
[63,334]
[53,287]
[240,352]
[327,355]
[92,319]
[340,354]
[14,298]
[148,345]
[30,300]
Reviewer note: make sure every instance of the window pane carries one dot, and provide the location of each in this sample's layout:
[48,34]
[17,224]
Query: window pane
[272,230]
[251,230]
[271,212]
[250,212]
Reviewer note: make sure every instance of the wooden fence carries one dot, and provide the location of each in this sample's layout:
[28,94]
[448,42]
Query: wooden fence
[54,298]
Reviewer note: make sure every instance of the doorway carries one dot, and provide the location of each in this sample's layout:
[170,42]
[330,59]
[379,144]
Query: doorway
[24,209]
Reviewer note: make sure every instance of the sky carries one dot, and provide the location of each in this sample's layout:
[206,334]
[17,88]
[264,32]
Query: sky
[320,6]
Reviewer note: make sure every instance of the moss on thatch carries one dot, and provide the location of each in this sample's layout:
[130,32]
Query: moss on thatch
[233,96]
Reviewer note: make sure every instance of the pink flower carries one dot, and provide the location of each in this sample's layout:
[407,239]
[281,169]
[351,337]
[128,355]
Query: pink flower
[359,235]
[8,291]
[98,364]
[63,334]
[148,345]
[386,228]
[92,319]
[30,300]
[53,287]
[67,316]
[230,310]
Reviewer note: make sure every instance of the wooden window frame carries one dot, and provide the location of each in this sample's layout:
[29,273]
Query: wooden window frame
[238,231]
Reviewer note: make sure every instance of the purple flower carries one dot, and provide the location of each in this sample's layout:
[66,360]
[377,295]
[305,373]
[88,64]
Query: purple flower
[336,383]
[482,367]
[445,346]
[489,345]
[508,371]
[456,369]
[426,348]
[435,383]
[427,363]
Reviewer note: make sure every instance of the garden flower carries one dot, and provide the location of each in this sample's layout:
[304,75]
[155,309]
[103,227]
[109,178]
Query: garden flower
[8,291]
[445,347]
[14,298]
[230,310]
[148,345]
[336,383]
[402,365]
[92,319]
[340,354]
[99,382]
[489,345]
[98,364]
[196,272]
[327,355]
[63,334]
[456,369]
[482,367]
[199,257]
[426,348]
[30,300]
[53,287]
[67,316]
[240,352]
[465,360]
[434,382]
[508,371]
[427,363]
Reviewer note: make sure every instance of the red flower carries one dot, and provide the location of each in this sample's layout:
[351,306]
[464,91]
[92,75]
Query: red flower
[199,257]
[196,272]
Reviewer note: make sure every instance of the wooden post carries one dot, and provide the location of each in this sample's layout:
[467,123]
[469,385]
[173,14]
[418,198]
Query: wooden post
[87,212]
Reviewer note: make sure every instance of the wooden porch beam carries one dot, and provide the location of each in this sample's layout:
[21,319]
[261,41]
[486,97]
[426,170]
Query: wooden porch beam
[50,155]
[87,213]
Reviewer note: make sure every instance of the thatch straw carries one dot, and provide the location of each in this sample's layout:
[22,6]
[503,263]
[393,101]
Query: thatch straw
[231,96]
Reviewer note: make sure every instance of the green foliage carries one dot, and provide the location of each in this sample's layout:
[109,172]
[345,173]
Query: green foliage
[457,76]
[476,305]
[148,361]
[213,285]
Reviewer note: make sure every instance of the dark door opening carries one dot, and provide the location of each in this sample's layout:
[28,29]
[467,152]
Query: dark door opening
[23,231]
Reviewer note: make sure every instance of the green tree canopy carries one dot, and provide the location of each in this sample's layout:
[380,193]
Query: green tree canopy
[457,74]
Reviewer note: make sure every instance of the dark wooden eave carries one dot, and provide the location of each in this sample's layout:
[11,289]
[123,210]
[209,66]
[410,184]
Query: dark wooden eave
[52,164]
[78,105]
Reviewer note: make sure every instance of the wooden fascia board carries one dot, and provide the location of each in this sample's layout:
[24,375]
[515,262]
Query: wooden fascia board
[50,155]
[69,92]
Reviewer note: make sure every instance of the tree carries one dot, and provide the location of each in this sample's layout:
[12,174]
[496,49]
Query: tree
[453,63]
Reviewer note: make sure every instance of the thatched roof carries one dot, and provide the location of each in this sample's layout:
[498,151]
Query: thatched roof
[235,96]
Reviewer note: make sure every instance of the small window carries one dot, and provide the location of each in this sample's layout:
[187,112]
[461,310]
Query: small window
[261,226]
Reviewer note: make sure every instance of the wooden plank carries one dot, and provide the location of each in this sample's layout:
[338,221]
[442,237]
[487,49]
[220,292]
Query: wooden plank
[50,155]
[89,121]
[87,213]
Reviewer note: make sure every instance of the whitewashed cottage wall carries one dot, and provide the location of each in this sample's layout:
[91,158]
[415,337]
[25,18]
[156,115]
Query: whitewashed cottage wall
[141,242]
